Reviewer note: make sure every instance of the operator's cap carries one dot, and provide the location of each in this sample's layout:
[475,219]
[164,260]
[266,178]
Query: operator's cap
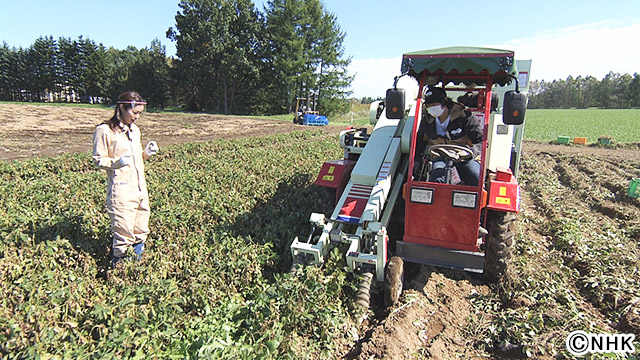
[435,95]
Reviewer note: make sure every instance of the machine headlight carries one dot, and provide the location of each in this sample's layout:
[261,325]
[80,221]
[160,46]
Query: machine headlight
[465,199]
[423,196]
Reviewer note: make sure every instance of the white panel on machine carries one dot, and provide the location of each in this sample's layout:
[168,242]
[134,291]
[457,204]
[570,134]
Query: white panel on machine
[366,170]
[380,191]
[500,142]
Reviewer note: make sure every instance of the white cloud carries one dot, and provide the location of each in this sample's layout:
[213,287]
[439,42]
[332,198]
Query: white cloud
[374,76]
[591,49]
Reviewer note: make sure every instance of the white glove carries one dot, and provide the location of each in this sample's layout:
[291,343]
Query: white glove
[151,148]
[124,160]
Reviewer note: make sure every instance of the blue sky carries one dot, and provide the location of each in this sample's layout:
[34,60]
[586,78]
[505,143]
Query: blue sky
[572,37]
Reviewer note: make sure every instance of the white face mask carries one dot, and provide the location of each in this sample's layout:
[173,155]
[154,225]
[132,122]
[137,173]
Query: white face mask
[435,110]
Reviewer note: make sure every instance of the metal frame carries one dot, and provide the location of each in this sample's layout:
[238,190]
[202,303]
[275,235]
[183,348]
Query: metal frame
[467,221]
[436,256]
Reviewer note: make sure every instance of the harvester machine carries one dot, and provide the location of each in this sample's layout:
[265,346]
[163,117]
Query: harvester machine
[306,112]
[388,213]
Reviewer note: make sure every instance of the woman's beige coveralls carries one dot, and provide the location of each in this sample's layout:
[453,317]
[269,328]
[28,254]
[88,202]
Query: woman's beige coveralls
[127,196]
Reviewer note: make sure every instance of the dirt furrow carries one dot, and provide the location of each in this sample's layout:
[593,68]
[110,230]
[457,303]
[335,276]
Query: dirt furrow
[583,219]
[431,320]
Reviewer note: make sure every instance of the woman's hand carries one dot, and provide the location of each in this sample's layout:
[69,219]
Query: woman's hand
[151,148]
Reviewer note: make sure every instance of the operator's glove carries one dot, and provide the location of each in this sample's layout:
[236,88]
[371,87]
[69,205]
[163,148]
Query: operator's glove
[151,148]
[124,160]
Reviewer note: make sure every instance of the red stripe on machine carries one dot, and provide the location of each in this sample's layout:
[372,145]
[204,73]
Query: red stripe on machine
[353,207]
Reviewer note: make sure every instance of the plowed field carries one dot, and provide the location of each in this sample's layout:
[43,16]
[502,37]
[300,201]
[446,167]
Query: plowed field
[40,130]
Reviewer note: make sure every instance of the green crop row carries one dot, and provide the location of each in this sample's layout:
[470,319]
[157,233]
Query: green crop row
[213,282]
[547,125]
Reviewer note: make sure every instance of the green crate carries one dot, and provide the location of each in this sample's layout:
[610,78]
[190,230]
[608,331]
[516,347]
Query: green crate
[563,139]
[634,188]
[604,141]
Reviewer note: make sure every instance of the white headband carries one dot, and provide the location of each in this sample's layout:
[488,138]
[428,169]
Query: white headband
[132,102]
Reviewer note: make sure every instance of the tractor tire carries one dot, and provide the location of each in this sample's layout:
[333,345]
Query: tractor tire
[393,278]
[501,227]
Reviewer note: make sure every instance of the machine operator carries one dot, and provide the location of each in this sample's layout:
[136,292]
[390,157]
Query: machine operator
[448,122]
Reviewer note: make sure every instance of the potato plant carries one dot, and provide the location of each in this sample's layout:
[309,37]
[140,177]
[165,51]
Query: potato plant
[213,282]
[576,263]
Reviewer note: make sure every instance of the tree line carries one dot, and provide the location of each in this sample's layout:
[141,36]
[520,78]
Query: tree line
[231,58]
[67,70]
[614,91]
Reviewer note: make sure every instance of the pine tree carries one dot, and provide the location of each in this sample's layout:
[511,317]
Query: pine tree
[5,80]
[216,42]
[150,75]
[307,53]
[69,59]
[41,62]
[95,75]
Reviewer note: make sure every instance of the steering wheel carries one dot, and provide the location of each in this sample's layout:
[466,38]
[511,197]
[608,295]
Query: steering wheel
[457,153]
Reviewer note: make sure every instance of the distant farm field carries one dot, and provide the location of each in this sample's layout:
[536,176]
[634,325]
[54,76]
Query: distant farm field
[623,125]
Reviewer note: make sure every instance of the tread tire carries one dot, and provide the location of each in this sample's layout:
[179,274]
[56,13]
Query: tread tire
[501,227]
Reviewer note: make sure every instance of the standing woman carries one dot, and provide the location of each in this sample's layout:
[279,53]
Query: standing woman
[118,150]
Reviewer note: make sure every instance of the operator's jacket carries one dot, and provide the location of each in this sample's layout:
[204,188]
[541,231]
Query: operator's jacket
[464,129]
[127,196]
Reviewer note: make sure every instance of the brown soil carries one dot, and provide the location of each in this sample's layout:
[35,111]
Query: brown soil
[39,130]
[431,319]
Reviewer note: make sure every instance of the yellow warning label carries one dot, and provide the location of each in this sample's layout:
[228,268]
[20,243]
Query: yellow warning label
[503,200]
[503,191]
[331,169]
[328,177]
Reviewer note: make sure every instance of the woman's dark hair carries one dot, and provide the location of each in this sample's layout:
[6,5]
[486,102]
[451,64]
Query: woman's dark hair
[126,101]
[448,102]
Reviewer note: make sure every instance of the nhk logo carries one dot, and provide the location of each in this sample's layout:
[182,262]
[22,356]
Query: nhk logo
[580,343]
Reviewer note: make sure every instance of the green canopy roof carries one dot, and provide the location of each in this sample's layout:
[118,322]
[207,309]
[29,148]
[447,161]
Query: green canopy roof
[458,60]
